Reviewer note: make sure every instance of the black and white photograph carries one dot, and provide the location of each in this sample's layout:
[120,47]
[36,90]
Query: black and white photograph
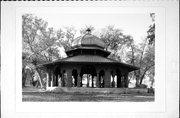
[84,59]
[88,57]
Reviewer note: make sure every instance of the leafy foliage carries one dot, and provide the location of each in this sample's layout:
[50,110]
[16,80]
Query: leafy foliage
[42,44]
[146,60]
[69,37]
[39,42]
[115,41]
[151,30]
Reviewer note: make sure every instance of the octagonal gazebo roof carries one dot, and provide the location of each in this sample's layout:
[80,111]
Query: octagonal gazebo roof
[89,49]
[88,40]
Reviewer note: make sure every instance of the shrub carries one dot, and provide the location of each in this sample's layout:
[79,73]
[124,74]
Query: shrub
[150,90]
[142,86]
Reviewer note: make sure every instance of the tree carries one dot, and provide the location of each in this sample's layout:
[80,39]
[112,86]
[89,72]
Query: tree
[132,58]
[40,44]
[115,41]
[151,30]
[146,61]
[69,38]
[30,28]
[147,55]
[142,56]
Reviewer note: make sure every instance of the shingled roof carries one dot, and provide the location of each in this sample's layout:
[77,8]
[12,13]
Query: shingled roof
[89,49]
[88,40]
[90,59]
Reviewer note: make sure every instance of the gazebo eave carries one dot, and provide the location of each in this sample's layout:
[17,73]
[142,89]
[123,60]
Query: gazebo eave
[62,62]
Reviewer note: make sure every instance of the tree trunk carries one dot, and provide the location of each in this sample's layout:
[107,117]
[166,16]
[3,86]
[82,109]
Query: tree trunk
[152,82]
[137,74]
[138,80]
[23,77]
[40,78]
[142,77]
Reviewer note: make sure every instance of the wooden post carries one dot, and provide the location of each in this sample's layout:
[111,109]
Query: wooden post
[87,80]
[47,80]
[118,80]
[81,80]
[59,81]
[75,81]
[107,79]
[92,81]
[126,80]
[97,81]
[63,78]
[78,80]
[113,82]
[52,77]
[69,78]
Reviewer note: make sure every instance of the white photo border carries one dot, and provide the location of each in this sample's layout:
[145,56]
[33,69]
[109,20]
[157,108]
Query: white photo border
[160,43]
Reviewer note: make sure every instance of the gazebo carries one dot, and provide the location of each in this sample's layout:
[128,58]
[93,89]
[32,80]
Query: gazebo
[87,65]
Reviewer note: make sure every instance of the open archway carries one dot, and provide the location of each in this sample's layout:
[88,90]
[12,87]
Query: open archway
[119,79]
[57,77]
[74,77]
[113,79]
[101,78]
[88,73]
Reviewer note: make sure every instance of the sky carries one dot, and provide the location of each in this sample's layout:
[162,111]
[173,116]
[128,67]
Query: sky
[135,24]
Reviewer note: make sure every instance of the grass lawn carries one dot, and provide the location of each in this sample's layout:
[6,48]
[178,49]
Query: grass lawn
[86,97]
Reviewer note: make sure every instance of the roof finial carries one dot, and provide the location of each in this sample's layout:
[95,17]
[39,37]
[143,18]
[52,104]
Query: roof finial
[88,31]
